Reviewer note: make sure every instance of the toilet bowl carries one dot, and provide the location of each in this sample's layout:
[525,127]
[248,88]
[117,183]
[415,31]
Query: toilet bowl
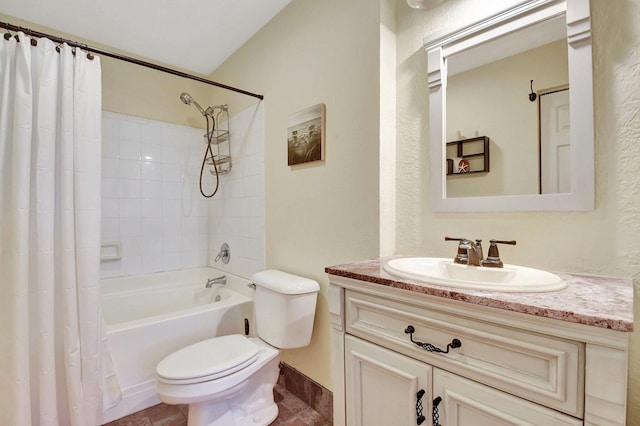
[229,380]
[220,393]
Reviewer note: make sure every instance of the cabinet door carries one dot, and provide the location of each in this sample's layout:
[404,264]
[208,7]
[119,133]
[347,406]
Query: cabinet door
[383,387]
[463,402]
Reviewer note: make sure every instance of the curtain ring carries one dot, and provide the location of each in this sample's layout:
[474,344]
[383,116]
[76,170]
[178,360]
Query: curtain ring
[7,35]
[34,42]
[85,47]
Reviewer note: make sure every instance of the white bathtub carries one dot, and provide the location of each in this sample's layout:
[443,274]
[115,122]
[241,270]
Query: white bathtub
[150,316]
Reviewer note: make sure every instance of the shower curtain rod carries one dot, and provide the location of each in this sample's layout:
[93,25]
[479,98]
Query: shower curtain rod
[129,59]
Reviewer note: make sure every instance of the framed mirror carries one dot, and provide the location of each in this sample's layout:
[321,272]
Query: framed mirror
[511,111]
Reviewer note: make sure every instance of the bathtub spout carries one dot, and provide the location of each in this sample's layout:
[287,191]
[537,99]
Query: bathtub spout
[222,280]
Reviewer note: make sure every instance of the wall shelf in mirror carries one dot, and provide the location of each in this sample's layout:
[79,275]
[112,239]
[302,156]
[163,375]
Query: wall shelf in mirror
[468,156]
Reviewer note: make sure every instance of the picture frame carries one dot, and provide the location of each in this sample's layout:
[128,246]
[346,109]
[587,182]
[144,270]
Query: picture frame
[306,135]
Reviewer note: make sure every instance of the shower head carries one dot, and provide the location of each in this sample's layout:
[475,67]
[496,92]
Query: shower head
[188,100]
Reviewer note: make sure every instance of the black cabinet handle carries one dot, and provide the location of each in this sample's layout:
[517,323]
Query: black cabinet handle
[419,417]
[455,343]
[436,415]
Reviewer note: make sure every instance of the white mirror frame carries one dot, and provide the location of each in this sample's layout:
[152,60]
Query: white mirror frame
[441,46]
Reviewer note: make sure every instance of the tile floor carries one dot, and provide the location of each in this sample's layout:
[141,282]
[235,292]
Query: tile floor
[291,412]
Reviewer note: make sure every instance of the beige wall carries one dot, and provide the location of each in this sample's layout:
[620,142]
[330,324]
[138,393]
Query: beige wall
[326,212]
[602,242]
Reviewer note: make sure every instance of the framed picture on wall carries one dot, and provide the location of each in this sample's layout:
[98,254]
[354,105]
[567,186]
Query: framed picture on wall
[305,135]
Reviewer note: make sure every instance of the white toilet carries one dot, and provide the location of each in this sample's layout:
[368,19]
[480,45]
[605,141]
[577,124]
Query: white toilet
[228,380]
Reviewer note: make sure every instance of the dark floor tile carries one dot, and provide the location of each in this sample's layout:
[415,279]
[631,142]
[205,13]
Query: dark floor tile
[291,412]
[312,417]
[284,414]
[292,403]
[134,420]
[177,420]
[296,421]
[277,394]
[161,411]
[184,409]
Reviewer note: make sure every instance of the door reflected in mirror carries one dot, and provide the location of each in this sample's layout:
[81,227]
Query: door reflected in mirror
[488,93]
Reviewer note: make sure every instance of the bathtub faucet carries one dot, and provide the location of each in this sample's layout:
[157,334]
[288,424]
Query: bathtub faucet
[222,280]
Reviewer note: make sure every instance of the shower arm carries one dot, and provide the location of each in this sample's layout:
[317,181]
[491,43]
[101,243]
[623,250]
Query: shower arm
[202,111]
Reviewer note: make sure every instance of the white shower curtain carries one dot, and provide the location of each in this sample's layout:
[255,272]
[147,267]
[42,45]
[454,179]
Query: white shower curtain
[54,367]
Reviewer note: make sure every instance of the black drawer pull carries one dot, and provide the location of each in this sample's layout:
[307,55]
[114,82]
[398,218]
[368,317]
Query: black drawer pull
[419,417]
[436,415]
[455,343]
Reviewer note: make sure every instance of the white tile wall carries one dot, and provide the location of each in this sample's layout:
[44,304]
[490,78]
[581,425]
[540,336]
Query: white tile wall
[236,213]
[151,203]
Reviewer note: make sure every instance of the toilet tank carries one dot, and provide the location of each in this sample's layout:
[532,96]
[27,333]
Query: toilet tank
[285,306]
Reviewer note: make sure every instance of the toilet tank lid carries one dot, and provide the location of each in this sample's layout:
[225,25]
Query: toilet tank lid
[284,283]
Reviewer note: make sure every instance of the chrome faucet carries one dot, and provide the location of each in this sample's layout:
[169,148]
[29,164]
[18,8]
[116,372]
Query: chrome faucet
[221,280]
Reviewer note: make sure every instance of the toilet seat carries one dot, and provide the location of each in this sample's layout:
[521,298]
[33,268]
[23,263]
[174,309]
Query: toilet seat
[208,360]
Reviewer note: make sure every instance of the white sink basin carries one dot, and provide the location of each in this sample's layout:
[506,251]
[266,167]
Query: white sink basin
[445,272]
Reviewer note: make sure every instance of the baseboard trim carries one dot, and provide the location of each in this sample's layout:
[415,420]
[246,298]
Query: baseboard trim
[307,390]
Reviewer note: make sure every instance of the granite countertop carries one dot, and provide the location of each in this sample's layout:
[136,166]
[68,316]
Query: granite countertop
[595,301]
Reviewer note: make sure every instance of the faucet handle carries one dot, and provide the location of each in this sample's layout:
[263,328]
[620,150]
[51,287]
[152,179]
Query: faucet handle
[493,257]
[224,254]
[479,249]
[462,256]
[454,239]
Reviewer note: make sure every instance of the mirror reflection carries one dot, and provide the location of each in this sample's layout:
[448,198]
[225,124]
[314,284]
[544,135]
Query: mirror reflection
[507,115]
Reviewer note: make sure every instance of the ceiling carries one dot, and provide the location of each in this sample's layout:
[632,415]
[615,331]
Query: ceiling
[195,35]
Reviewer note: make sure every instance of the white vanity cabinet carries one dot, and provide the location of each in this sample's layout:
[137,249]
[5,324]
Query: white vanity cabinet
[385,386]
[510,368]
[465,402]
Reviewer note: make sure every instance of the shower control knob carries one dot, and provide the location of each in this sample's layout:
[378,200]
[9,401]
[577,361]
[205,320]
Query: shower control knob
[224,254]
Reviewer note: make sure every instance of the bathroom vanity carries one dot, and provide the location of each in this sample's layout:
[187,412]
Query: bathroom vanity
[408,353]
